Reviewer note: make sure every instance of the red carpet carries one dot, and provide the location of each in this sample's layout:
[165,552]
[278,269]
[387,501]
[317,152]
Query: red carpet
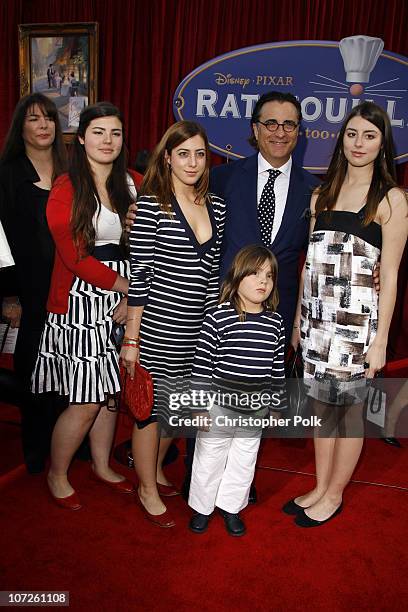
[110,558]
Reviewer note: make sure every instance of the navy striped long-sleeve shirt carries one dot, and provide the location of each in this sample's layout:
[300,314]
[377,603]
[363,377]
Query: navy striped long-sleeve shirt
[240,358]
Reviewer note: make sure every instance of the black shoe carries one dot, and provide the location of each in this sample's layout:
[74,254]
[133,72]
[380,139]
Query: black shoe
[302,520]
[233,523]
[292,508]
[253,495]
[392,441]
[199,522]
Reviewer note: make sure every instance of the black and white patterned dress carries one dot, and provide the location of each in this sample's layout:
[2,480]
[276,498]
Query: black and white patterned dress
[340,304]
[176,280]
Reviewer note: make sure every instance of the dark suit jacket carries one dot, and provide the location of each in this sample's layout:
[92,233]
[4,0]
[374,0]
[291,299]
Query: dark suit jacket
[237,183]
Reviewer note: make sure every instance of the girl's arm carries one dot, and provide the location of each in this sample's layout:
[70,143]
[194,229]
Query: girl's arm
[142,241]
[295,338]
[204,359]
[394,228]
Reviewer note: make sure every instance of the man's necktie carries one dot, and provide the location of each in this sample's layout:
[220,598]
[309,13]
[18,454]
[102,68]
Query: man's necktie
[266,208]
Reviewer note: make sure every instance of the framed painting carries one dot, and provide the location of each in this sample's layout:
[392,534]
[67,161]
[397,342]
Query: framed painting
[60,60]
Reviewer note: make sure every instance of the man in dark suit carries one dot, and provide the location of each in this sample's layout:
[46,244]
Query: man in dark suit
[275,127]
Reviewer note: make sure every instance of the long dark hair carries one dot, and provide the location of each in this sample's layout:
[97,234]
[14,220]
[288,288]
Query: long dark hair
[384,175]
[247,261]
[157,180]
[14,145]
[86,200]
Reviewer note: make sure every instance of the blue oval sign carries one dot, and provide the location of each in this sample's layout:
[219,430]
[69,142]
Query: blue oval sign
[328,79]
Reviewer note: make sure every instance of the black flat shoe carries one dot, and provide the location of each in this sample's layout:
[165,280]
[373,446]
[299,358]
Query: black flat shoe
[253,495]
[302,520]
[234,525]
[392,441]
[292,508]
[199,522]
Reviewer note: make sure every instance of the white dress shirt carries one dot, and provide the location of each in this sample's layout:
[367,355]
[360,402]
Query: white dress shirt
[281,188]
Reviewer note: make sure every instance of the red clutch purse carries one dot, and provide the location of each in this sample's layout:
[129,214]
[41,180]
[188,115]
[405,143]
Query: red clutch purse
[137,395]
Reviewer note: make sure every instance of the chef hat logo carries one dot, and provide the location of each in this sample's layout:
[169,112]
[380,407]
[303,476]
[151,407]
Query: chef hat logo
[360,54]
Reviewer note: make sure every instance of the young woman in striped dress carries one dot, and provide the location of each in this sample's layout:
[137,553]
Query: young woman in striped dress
[77,357]
[175,248]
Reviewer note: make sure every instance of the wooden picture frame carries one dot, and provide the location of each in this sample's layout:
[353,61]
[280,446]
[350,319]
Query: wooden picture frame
[60,60]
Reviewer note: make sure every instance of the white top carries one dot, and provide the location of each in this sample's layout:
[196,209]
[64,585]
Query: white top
[108,228]
[6,258]
[281,188]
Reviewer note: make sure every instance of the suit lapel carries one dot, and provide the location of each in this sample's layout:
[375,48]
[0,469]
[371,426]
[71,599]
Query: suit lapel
[294,203]
[247,188]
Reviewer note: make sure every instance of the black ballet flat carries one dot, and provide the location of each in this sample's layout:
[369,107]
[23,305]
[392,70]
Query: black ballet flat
[292,508]
[392,441]
[302,520]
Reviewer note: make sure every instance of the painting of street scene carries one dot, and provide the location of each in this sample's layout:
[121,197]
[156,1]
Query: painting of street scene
[60,70]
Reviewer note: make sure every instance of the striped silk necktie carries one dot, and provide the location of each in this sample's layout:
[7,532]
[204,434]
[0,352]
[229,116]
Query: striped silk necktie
[266,208]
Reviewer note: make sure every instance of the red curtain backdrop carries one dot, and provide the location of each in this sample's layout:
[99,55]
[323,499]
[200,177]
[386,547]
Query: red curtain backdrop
[148,46]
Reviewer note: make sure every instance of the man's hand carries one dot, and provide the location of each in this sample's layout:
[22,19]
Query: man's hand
[376,277]
[130,217]
[11,311]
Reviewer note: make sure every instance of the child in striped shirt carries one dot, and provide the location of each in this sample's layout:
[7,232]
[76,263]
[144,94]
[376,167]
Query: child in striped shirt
[238,362]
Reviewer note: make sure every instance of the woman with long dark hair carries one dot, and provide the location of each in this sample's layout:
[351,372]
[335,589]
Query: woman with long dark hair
[358,214]
[175,248]
[32,158]
[77,356]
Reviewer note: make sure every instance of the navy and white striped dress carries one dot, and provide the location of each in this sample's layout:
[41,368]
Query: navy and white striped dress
[240,357]
[176,279]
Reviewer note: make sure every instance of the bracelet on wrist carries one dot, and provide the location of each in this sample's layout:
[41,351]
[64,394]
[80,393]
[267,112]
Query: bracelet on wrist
[126,338]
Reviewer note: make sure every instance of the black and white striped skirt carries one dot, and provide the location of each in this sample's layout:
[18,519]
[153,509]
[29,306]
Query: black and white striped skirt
[77,356]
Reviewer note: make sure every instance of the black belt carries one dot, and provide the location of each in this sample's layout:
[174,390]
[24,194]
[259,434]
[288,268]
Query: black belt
[108,252]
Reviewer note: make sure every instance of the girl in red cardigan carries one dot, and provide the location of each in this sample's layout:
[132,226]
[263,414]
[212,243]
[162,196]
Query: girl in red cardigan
[77,356]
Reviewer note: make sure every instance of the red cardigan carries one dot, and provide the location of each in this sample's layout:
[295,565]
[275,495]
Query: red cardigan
[66,262]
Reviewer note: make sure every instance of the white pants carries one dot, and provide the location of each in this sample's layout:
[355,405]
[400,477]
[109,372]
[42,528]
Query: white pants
[224,465]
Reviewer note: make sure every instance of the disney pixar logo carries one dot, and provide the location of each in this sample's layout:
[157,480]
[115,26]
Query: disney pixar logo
[327,77]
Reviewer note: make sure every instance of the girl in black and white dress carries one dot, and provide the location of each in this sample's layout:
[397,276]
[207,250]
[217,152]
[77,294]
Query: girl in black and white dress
[175,249]
[358,214]
[77,356]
